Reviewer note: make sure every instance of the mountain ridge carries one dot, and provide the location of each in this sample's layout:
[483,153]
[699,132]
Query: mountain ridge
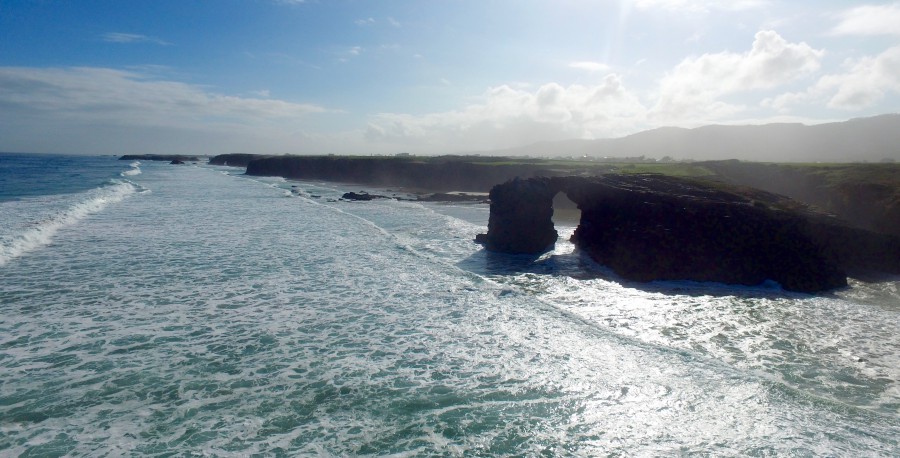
[869,139]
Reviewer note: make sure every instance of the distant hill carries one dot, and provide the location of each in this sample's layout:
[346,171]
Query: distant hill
[862,139]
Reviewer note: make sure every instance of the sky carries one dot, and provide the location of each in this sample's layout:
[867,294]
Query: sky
[427,77]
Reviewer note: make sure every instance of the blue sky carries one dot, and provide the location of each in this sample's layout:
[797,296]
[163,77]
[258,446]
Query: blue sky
[316,76]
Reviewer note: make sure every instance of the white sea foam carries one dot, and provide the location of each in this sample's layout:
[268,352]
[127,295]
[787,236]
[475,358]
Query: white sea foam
[134,170]
[40,234]
[323,327]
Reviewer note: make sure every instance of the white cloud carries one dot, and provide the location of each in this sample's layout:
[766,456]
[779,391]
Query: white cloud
[346,54]
[118,37]
[119,97]
[697,91]
[870,20]
[106,111]
[698,5]
[371,21]
[864,82]
[509,116]
[694,87]
[590,66]
[695,37]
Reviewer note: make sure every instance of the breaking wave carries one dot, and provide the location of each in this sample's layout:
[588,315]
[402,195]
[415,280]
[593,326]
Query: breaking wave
[134,170]
[41,233]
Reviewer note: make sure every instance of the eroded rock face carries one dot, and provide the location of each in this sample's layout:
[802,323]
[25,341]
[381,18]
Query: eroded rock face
[660,229]
[520,220]
[653,227]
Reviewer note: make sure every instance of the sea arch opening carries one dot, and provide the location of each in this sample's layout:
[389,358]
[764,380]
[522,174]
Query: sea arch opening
[565,212]
[565,219]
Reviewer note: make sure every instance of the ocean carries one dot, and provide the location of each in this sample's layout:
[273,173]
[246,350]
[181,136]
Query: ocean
[162,310]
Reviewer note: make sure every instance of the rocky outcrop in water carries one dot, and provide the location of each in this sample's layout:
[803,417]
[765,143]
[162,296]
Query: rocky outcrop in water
[654,227]
[364,196]
[520,220]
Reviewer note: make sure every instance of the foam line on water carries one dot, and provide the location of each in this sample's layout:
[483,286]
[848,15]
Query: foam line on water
[43,232]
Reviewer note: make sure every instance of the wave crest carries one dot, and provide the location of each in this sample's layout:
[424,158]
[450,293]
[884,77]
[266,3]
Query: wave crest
[42,233]
[134,170]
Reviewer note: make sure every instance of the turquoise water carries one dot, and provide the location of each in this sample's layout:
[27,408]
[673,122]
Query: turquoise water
[192,310]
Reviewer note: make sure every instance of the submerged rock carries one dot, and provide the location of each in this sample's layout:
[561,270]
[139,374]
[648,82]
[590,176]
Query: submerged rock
[654,227]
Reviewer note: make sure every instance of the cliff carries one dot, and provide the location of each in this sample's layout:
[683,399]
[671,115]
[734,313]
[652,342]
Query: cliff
[445,173]
[865,195]
[654,227]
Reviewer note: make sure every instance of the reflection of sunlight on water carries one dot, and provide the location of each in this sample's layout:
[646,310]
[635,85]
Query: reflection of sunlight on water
[563,245]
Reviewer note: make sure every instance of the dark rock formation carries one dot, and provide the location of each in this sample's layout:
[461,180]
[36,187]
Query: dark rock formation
[158,157]
[361,196]
[654,227]
[177,162]
[520,221]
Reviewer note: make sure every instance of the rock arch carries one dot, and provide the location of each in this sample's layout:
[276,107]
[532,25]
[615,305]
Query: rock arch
[654,227]
[521,219]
